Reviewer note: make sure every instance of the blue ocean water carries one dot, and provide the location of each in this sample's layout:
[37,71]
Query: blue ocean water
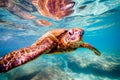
[99,19]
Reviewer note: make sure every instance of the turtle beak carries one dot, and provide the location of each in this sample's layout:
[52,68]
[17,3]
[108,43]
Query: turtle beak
[90,47]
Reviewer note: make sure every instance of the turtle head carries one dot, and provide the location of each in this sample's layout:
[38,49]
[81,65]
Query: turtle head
[73,39]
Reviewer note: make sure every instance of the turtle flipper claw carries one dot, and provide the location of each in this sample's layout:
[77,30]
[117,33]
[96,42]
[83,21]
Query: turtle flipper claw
[86,45]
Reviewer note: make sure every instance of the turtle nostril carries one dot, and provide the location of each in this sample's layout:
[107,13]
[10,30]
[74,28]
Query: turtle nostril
[70,33]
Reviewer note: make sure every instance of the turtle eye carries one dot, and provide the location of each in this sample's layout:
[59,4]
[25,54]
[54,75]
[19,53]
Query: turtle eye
[81,33]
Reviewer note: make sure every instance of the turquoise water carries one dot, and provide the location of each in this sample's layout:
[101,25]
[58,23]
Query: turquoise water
[99,19]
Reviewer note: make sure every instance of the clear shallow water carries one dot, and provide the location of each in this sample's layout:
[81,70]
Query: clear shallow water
[99,19]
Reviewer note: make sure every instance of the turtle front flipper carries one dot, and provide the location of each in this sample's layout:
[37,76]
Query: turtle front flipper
[86,45]
[24,55]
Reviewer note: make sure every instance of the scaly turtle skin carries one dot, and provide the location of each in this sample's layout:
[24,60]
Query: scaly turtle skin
[54,41]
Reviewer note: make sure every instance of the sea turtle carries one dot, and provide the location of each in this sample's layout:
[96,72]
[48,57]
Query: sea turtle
[54,41]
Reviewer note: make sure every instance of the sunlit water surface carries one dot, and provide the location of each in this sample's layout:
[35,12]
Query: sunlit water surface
[101,21]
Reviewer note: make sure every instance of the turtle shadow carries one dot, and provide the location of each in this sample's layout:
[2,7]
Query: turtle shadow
[27,76]
[114,73]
